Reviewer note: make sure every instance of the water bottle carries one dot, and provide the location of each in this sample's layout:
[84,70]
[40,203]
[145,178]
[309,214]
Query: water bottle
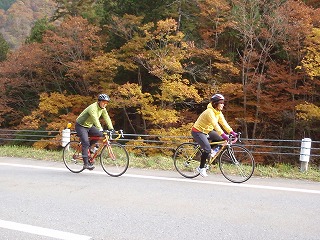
[96,147]
[214,151]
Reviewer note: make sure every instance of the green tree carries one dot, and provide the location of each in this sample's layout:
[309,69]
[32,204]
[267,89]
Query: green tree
[183,11]
[37,31]
[5,4]
[4,48]
[72,8]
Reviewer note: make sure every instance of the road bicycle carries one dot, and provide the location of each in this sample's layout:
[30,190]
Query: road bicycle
[113,156]
[236,162]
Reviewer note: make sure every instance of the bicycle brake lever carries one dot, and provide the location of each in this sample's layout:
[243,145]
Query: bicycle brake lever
[239,137]
[121,132]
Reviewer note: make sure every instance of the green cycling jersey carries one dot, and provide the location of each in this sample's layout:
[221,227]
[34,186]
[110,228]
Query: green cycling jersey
[91,115]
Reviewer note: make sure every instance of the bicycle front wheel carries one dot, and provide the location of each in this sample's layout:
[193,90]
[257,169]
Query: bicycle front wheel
[114,159]
[236,163]
[186,159]
[72,157]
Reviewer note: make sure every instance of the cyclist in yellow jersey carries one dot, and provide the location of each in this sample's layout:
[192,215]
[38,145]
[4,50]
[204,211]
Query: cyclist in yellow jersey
[88,124]
[210,125]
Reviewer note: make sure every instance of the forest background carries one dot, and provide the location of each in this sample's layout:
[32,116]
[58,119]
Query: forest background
[160,62]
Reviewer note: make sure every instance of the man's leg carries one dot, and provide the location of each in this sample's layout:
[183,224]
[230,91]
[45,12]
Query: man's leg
[84,138]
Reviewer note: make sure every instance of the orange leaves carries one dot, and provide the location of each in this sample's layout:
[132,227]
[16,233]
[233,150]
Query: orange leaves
[76,39]
[214,19]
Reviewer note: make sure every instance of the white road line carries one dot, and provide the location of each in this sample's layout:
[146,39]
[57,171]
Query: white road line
[42,231]
[229,184]
[242,185]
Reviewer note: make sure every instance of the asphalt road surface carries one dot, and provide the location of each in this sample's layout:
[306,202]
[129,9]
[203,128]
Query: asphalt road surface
[43,200]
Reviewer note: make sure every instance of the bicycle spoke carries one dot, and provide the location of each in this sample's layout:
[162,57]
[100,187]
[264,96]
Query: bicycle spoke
[114,159]
[236,163]
[72,157]
[187,159]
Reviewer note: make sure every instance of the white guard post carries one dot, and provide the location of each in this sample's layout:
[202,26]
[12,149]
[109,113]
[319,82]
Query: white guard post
[305,154]
[65,137]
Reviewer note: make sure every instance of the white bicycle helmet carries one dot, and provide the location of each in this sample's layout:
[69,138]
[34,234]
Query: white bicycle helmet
[217,97]
[103,97]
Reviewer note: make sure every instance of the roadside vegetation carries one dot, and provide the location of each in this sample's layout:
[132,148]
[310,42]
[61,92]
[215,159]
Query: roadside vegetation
[161,62]
[166,163]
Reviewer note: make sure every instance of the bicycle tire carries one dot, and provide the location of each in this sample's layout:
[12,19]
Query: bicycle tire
[116,162]
[186,159]
[236,163]
[72,156]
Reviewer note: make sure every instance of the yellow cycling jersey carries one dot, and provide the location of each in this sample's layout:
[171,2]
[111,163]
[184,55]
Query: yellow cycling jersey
[212,119]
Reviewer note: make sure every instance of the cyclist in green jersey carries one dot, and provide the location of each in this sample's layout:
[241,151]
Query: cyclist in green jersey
[88,124]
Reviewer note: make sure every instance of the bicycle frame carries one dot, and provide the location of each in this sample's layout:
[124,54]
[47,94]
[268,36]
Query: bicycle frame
[105,142]
[113,156]
[236,163]
[211,160]
[224,144]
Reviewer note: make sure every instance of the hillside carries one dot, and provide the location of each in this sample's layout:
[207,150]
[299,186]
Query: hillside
[17,21]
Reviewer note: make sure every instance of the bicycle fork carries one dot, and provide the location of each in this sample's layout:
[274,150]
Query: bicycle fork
[111,154]
[236,162]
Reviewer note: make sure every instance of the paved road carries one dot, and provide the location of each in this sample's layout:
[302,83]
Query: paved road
[42,200]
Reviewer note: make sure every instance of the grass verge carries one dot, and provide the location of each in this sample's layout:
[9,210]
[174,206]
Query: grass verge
[166,163]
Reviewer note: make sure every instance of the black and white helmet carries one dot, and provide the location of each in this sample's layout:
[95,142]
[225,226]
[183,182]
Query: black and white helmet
[216,98]
[103,97]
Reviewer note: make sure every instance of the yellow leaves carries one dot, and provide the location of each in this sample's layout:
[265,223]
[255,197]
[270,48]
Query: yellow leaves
[308,111]
[159,115]
[227,67]
[178,90]
[49,113]
[53,102]
[311,62]
[130,95]
[173,131]
[167,31]
[232,89]
[101,68]
[166,26]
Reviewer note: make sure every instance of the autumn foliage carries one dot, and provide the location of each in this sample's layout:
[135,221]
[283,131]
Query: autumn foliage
[263,56]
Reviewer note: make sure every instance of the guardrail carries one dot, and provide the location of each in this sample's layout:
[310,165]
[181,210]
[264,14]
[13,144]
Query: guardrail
[266,151]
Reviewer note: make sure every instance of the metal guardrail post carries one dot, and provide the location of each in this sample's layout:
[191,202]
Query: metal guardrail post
[305,154]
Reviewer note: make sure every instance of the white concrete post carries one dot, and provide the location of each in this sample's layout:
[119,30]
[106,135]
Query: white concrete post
[305,154]
[65,137]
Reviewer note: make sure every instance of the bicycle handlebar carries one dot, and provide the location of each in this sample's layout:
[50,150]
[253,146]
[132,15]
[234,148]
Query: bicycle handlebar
[233,139]
[119,134]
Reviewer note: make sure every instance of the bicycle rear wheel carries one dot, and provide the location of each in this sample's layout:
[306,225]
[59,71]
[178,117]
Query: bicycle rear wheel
[236,163]
[114,159]
[186,159]
[72,156]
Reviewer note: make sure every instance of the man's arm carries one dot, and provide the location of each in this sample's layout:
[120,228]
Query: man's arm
[107,119]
